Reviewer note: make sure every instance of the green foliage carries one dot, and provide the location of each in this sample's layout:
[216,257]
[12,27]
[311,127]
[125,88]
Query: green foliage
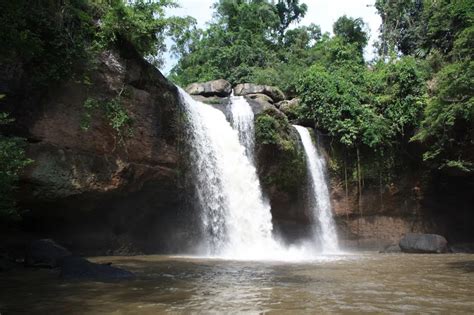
[247,42]
[267,129]
[232,47]
[361,106]
[448,123]
[51,38]
[47,37]
[12,161]
[352,31]
[402,26]
[113,111]
[289,11]
[142,23]
[273,130]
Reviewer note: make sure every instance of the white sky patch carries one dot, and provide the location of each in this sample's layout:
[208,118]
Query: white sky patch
[321,12]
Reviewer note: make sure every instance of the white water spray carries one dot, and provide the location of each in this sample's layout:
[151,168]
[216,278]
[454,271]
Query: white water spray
[319,194]
[237,221]
[242,121]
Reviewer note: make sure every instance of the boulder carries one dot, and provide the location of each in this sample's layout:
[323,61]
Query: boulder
[221,88]
[262,98]
[211,100]
[260,103]
[248,88]
[423,243]
[78,268]
[45,253]
[289,107]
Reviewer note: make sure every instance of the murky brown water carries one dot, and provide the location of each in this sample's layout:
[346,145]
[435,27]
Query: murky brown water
[365,283]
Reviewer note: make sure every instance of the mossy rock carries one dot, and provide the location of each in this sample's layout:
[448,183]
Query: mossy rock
[280,153]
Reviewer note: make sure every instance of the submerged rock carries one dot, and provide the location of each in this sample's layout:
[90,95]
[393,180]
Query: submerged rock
[221,88]
[423,243]
[248,88]
[45,253]
[78,268]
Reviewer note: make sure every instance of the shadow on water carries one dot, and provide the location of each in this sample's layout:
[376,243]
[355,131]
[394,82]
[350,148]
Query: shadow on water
[466,266]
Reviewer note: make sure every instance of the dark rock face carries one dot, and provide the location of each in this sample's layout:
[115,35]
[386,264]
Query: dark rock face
[45,253]
[248,88]
[281,167]
[221,88]
[423,243]
[78,268]
[88,189]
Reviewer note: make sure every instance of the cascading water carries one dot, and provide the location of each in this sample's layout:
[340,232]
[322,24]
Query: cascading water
[236,219]
[319,193]
[242,121]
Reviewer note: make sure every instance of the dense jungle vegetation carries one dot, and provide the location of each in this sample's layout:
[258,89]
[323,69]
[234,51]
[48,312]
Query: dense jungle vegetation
[418,91]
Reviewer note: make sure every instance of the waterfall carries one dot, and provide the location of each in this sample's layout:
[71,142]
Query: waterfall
[319,193]
[242,121]
[236,220]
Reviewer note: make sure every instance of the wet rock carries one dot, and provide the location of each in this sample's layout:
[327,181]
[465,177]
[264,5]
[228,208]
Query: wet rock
[248,88]
[78,268]
[391,249]
[45,253]
[423,243]
[467,248]
[219,87]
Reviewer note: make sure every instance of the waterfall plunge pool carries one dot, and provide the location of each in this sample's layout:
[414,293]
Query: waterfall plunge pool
[362,283]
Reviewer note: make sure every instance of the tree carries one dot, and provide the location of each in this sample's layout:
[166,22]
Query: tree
[50,38]
[289,11]
[402,27]
[352,31]
[240,40]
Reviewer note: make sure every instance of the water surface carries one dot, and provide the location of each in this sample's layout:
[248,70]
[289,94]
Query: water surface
[365,283]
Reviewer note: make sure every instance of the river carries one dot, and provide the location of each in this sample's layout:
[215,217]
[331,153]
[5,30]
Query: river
[362,283]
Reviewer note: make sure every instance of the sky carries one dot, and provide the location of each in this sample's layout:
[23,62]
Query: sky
[321,12]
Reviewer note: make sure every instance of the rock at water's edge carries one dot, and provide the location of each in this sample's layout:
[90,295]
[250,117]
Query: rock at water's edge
[221,88]
[78,268]
[391,249]
[45,253]
[423,243]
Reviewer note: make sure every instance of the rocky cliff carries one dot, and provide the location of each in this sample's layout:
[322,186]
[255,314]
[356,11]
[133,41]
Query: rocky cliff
[94,189]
